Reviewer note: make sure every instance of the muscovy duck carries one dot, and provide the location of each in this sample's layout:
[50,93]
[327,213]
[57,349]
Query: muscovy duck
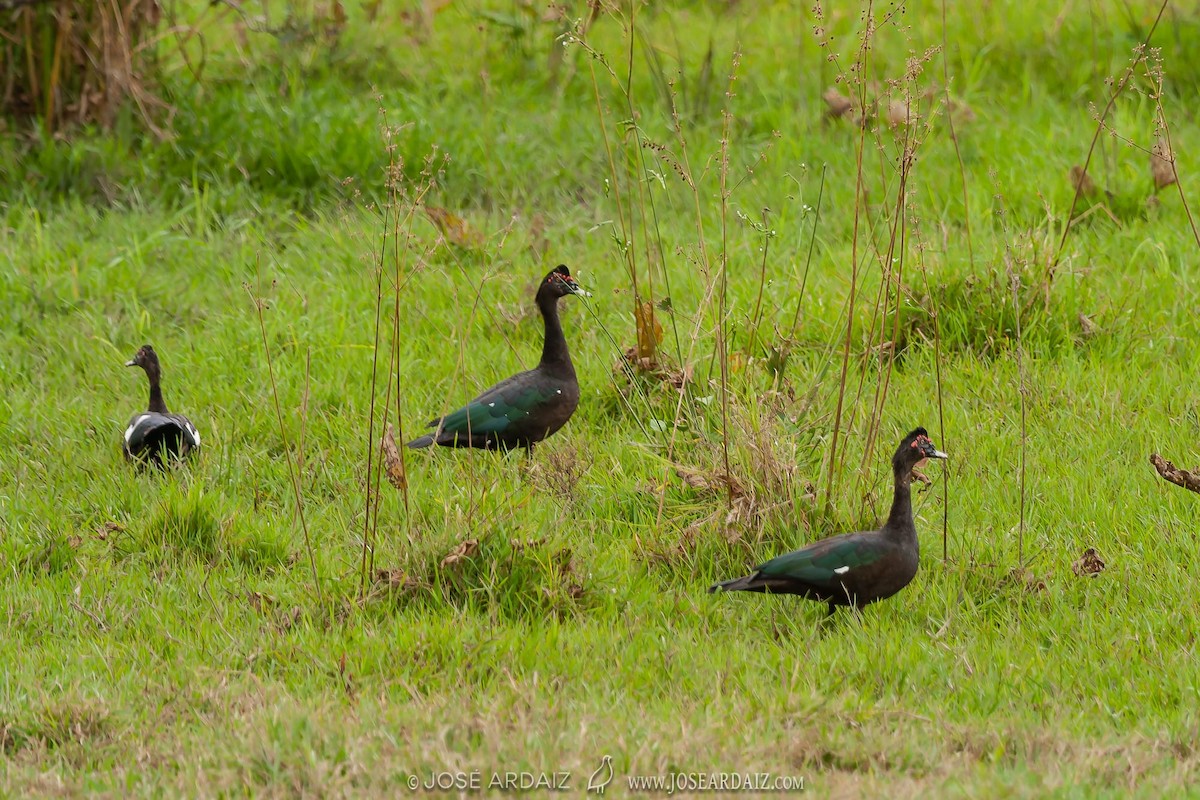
[853,569]
[156,433]
[529,406]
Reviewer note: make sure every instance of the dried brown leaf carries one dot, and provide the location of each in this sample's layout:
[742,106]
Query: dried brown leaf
[653,369]
[649,331]
[693,479]
[108,528]
[1175,475]
[390,577]
[392,461]
[463,550]
[1089,564]
[630,356]
[1162,163]
[679,377]
[714,482]
[518,545]
[397,579]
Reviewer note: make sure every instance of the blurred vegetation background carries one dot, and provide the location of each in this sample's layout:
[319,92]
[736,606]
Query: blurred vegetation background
[284,94]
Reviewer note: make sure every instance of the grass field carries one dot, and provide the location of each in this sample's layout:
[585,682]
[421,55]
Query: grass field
[821,288]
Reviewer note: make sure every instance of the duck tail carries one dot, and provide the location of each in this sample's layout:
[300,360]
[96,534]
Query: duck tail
[749,583]
[423,441]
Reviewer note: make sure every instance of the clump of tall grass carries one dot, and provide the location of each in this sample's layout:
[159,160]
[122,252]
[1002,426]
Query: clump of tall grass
[79,61]
[498,572]
[192,522]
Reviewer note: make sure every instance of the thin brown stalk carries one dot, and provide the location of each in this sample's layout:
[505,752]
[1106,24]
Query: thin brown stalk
[304,405]
[401,259]
[293,470]
[400,223]
[628,244]
[1016,287]
[364,576]
[1166,131]
[722,322]
[60,38]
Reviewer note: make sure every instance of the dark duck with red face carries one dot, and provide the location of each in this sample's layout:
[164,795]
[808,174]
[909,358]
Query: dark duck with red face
[156,434]
[853,569]
[529,406]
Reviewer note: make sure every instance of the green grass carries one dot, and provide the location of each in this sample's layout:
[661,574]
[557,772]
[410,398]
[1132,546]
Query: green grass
[163,633]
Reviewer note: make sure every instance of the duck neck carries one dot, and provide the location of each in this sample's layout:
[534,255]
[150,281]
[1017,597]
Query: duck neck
[555,357]
[156,398]
[900,520]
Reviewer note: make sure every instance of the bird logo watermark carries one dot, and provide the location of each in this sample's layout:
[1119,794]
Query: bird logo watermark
[602,777]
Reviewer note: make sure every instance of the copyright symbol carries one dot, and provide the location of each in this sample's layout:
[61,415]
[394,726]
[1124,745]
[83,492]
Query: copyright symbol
[414,782]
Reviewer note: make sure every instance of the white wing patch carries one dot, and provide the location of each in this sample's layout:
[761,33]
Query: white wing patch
[195,435]
[841,570]
[133,426]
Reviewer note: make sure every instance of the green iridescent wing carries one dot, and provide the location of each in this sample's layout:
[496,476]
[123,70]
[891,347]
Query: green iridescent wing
[497,410]
[823,563]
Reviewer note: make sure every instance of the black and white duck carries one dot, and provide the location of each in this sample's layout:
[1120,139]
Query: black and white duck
[156,434]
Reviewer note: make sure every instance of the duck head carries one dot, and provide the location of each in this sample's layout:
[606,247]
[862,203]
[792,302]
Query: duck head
[559,283]
[914,450]
[145,358]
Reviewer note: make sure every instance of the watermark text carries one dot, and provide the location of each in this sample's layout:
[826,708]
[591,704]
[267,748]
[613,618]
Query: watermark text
[495,781]
[722,782]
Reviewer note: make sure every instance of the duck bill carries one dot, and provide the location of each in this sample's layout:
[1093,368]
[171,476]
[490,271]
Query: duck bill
[131,363]
[577,289]
[939,454]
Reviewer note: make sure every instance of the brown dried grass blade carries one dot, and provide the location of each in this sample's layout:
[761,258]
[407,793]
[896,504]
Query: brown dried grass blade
[649,332]
[392,462]
[1175,475]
